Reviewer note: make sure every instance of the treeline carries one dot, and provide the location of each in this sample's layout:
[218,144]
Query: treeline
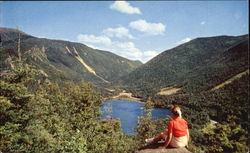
[40,116]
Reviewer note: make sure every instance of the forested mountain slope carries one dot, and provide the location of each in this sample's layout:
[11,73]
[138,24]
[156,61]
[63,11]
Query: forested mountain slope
[64,60]
[196,66]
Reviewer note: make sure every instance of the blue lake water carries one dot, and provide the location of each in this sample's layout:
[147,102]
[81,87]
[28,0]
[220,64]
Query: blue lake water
[128,112]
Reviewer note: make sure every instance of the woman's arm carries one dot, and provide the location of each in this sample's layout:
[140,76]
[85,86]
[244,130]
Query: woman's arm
[169,138]
[167,142]
[187,138]
[169,135]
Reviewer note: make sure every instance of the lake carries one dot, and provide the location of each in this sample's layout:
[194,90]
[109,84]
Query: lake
[128,113]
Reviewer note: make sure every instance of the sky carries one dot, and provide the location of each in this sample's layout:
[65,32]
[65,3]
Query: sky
[137,30]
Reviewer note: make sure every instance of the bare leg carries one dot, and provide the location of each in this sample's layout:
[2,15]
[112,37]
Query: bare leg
[161,136]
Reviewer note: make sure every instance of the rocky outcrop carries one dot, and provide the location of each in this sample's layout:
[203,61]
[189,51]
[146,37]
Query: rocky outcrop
[152,148]
[168,150]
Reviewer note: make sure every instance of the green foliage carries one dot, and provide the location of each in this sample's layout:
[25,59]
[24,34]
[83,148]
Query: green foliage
[196,66]
[228,137]
[14,98]
[38,116]
[148,128]
[227,105]
[60,63]
[230,100]
[145,127]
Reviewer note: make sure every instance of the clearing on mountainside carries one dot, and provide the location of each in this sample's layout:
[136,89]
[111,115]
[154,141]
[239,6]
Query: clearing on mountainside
[230,80]
[168,91]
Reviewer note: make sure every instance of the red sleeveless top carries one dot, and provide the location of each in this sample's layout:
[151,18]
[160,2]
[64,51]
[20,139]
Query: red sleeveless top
[178,127]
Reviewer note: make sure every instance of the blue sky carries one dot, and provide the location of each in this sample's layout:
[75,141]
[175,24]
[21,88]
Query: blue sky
[137,30]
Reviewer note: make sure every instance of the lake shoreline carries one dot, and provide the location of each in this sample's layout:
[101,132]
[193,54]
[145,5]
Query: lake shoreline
[120,100]
[125,96]
[128,112]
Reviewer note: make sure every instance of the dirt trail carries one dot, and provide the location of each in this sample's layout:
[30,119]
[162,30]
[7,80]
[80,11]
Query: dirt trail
[230,80]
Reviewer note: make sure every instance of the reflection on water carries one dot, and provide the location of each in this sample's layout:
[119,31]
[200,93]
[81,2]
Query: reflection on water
[128,113]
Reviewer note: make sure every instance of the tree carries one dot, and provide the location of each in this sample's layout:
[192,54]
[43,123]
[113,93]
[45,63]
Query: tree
[226,137]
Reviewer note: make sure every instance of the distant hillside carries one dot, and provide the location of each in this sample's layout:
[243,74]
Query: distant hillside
[196,66]
[64,60]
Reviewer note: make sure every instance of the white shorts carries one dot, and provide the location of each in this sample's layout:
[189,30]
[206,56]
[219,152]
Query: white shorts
[178,142]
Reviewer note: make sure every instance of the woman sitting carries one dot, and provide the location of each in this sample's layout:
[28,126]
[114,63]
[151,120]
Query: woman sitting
[177,134]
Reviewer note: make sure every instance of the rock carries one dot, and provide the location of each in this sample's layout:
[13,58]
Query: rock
[152,148]
[168,150]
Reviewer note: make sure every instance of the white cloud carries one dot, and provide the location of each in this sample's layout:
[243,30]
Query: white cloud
[203,22]
[150,53]
[91,46]
[124,7]
[149,28]
[124,49]
[84,38]
[127,49]
[119,32]
[147,55]
[184,41]
[130,51]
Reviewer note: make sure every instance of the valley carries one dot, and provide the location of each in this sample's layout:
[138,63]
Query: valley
[207,77]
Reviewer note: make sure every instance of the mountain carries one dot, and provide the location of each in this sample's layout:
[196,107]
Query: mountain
[198,65]
[64,60]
